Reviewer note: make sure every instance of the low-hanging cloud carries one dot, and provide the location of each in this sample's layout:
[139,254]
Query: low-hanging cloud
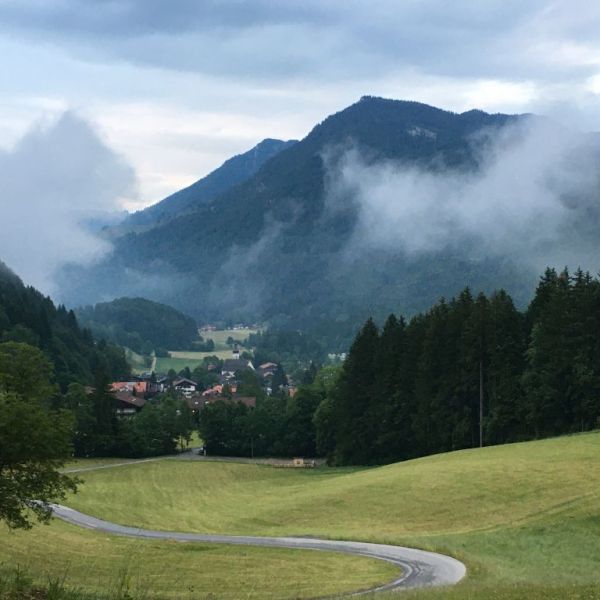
[57,176]
[533,198]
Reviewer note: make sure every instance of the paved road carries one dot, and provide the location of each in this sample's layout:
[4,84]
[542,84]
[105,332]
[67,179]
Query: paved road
[419,568]
[111,465]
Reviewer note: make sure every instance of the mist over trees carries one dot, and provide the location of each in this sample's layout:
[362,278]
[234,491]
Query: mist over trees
[384,204]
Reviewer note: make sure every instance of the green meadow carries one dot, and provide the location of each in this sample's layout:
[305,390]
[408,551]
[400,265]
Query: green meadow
[101,565]
[525,518]
[220,337]
[165,364]
[179,359]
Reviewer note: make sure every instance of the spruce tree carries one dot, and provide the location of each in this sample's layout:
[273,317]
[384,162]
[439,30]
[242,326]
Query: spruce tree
[353,398]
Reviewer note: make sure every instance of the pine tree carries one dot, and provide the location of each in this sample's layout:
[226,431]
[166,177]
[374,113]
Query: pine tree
[353,398]
[506,362]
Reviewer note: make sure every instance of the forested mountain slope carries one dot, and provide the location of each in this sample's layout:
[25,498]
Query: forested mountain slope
[291,246]
[231,173]
[139,324]
[28,316]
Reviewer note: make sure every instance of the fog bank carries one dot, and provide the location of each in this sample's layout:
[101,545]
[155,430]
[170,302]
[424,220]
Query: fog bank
[534,197]
[58,176]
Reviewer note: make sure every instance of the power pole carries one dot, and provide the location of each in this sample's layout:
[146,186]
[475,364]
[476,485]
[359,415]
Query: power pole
[481,402]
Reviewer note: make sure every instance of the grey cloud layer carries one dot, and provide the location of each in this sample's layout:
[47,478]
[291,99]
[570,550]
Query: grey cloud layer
[307,38]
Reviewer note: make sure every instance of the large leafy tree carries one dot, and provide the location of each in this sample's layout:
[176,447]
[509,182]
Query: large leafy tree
[35,439]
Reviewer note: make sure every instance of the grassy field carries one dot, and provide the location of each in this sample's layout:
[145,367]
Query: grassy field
[164,364]
[198,356]
[101,564]
[525,518]
[180,359]
[220,337]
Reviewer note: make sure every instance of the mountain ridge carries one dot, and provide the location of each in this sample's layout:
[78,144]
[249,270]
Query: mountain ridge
[232,172]
[271,249]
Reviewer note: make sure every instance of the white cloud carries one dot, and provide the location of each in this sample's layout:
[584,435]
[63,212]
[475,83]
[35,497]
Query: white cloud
[59,174]
[529,200]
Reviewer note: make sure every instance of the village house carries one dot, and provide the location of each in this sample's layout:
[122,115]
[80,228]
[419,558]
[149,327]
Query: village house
[233,365]
[267,370]
[133,388]
[127,405]
[217,390]
[185,386]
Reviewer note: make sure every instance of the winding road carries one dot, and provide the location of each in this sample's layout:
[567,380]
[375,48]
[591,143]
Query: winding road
[418,568]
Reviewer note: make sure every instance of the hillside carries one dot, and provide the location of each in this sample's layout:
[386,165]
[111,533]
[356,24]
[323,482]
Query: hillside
[288,246]
[232,172]
[28,316]
[139,324]
[523,517]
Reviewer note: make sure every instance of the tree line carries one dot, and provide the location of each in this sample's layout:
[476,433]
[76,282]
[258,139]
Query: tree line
[279,425]
[471,370]
[429,385]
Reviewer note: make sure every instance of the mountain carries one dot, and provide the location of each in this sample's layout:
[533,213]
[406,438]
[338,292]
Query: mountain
[28,316]
[232,172]
[139,324]
[285,247]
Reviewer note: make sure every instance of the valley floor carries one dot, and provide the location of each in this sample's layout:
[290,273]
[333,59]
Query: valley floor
[524,518]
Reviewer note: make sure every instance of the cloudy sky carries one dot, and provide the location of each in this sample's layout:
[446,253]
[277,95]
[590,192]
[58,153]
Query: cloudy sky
[176,87]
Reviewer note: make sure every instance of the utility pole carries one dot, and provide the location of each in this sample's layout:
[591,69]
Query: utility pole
[481,402]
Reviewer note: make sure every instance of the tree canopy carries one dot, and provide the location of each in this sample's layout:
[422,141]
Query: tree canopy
[35,437]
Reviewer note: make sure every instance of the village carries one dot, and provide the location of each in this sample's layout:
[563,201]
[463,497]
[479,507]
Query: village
[230,380]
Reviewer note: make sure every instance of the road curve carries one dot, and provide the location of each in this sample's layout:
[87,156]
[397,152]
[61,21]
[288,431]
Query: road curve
[419,568]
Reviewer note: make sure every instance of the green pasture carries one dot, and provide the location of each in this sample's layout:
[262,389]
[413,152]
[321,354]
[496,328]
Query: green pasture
[522,517]
[164,364]
[101,565]
[180,359]
[220,337]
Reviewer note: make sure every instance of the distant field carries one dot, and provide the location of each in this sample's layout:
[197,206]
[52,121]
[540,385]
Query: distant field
[198,356]
[163,365]
[525,518]
[220,337]
[185,358]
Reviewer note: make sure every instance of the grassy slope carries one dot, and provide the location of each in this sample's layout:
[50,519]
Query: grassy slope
[163,365]
[97,562]
[181,359]
[220,337]
[520,515]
